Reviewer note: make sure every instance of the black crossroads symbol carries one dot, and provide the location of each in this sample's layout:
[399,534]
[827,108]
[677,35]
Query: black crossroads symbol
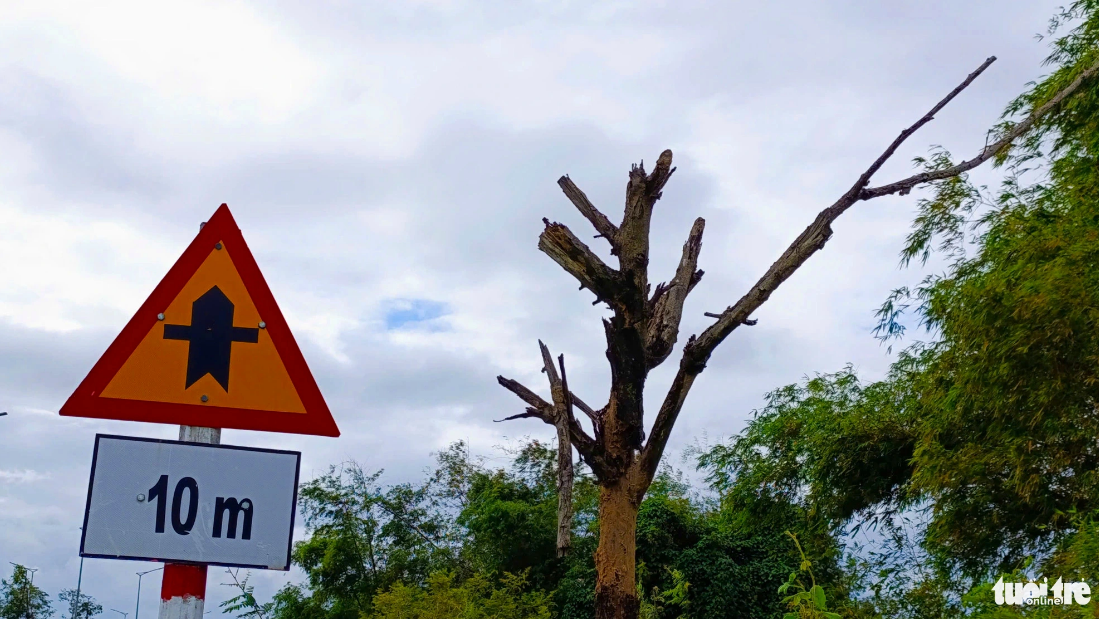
[211,335]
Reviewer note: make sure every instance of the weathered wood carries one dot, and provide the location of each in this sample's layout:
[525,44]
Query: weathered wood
[644,330]
[667,303]
[598,220]
[562,246]
[563,404]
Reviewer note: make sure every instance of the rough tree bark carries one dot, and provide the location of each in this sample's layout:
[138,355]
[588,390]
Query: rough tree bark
[561,412]
[644,329]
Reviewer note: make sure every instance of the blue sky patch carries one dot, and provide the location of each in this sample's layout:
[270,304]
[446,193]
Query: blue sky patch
[405,312]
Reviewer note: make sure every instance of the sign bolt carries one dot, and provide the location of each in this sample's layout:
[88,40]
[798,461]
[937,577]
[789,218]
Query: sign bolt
[140,498]
[204,398]
[262,325]
[217,246]
[160,316]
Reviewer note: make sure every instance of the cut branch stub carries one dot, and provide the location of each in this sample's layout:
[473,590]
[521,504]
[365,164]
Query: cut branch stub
[562,246]
[598,220]
[590,449]
[642,192]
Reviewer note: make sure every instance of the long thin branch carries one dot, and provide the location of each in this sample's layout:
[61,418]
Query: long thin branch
[598,220]
[596,418]
[904,186]
[566,394]
[811,240]
[662,427]
[534,400]
[587,446]
[698,349]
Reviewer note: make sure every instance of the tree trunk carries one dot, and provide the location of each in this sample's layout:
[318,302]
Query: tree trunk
[615,584]
[564,487]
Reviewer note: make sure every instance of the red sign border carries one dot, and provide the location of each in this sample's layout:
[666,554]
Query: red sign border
[317,419]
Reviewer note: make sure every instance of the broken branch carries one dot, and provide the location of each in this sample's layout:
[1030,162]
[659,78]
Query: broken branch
[598,220]
[588,447]
[667,302]
[562,246]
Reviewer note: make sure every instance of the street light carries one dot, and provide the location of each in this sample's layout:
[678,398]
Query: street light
[121,613]
[137,608]
[26,587]
[79,577]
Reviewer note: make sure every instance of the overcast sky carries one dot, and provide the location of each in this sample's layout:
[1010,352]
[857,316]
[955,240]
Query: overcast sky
[390,163]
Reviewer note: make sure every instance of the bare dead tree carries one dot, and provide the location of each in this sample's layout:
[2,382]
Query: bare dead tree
[645,328]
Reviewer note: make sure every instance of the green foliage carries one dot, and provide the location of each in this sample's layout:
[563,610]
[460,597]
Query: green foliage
[977,452]
[672,602]
[81,606]
[511,524]
[363,540]
[19,597]
[1005,446]
[244,604]
[475,598]
[804,602]
[697,559]
[832,445]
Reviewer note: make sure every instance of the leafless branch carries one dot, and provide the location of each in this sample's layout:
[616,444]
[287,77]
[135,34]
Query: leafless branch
[562,246]
[807,243]
[595,416]
[598,220]
[642,192]
[698,349]
[531,412]
[667,303]
[589,449]
[988,152]
[534,400]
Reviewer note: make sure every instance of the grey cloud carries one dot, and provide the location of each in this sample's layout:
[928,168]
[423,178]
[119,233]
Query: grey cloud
[77,156]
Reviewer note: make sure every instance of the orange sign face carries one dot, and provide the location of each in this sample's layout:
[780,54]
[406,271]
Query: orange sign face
[208,348]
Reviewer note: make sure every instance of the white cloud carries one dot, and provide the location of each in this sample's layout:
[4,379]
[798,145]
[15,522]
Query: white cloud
[23,476]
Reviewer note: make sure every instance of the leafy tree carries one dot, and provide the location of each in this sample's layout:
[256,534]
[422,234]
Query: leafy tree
[82,606]
[1005,448]
[363,539]
[510,517]
[19,598]
[475,598]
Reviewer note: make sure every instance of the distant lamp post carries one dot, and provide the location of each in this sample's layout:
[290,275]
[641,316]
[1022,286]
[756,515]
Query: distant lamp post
[26,587]
[121,613]
[137,607]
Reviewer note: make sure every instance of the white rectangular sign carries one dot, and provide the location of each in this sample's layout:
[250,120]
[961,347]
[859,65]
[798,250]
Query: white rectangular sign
[190,502]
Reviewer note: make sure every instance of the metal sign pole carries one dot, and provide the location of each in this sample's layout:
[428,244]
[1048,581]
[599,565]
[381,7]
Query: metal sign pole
[183,589]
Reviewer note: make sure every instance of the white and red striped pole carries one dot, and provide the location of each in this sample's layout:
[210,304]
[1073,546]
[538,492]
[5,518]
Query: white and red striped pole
[183,590]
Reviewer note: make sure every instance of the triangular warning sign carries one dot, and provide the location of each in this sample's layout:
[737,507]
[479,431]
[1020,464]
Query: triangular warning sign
[209,347]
